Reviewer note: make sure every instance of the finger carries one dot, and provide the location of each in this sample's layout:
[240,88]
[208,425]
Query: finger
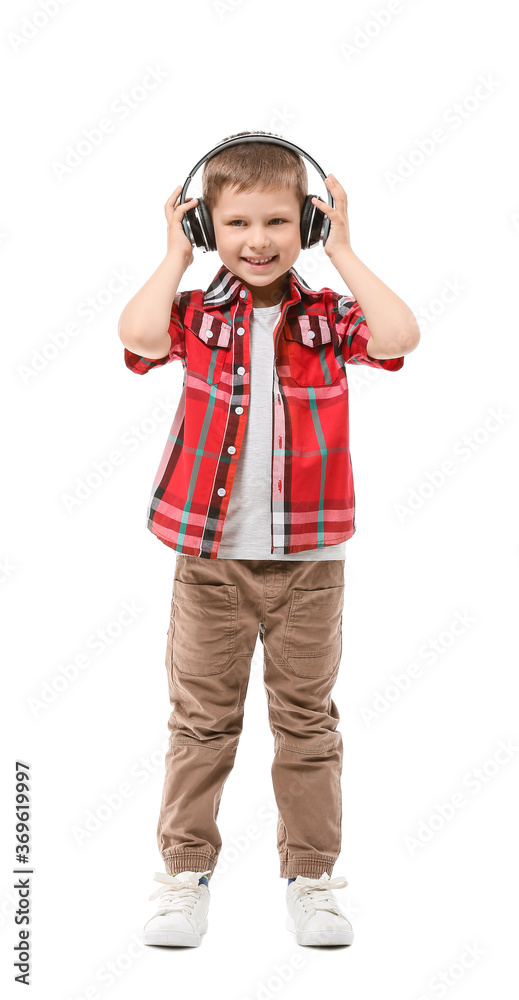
[322,205]
[335,188]
[179,195]
[173,199]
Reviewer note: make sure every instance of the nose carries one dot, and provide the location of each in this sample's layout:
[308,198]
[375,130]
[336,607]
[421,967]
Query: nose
[259,242]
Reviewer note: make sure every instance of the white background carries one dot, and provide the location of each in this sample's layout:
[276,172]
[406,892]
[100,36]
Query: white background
[362,97]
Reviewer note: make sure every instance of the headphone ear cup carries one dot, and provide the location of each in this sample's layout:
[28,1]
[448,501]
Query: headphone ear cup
[312,223]
[198,227]
[191,228]
[206,225]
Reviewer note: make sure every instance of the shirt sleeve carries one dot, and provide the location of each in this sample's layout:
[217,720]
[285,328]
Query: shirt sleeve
[353,332]
[140,365]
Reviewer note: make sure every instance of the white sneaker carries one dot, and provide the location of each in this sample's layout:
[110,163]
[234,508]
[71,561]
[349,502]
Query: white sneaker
[314,913]
[181,918]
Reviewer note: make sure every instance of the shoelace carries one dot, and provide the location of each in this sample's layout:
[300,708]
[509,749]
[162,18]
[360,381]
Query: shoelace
[318,891]
[175,893]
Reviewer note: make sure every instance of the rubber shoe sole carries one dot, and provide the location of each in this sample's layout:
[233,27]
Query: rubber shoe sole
[323,936]
[175,938]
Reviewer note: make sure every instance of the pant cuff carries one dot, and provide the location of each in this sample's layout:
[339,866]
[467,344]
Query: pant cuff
[186,862]
[311,866]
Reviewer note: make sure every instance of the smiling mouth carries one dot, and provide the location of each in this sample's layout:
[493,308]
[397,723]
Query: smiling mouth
[260,263]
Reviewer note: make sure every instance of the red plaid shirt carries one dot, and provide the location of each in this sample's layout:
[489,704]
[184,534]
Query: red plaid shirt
[312,499]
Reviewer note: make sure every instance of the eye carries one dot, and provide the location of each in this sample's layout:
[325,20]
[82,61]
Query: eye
[233,221]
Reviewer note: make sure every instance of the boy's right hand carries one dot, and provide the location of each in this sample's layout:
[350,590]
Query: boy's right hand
[178,242]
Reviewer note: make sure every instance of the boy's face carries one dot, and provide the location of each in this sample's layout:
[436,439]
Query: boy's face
[259,224]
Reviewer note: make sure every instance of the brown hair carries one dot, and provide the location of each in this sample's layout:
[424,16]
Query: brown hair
[252,165]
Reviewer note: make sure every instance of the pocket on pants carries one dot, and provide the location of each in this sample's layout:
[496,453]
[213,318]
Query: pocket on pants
[204,633]
[312,646]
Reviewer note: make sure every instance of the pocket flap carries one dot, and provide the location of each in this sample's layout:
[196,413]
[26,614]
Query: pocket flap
[209,329]
[312,331]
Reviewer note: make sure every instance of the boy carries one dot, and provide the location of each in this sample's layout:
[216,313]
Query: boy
[255,493]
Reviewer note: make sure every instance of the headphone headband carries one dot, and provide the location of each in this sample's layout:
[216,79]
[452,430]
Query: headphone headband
[197,223]
[252,137]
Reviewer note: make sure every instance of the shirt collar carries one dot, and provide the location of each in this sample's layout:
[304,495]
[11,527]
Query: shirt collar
[226,285]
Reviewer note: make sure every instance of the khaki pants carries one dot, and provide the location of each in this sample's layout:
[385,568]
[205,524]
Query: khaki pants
[217,607]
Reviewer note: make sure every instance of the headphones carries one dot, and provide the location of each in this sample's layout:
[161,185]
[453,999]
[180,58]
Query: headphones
[198,225]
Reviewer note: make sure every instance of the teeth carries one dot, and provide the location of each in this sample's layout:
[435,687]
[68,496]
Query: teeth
[264,261]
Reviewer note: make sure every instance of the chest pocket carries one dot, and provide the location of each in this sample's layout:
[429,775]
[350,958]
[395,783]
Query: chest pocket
[207,343]
[310,350]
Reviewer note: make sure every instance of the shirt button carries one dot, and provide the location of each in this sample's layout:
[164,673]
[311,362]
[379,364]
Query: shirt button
[231,449]
[239,409]
[311,334]
[243,293]
[241,370]
[240,331]
[221,492]
[209,333]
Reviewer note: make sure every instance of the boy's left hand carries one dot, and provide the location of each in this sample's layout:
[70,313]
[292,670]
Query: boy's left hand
[339,235]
